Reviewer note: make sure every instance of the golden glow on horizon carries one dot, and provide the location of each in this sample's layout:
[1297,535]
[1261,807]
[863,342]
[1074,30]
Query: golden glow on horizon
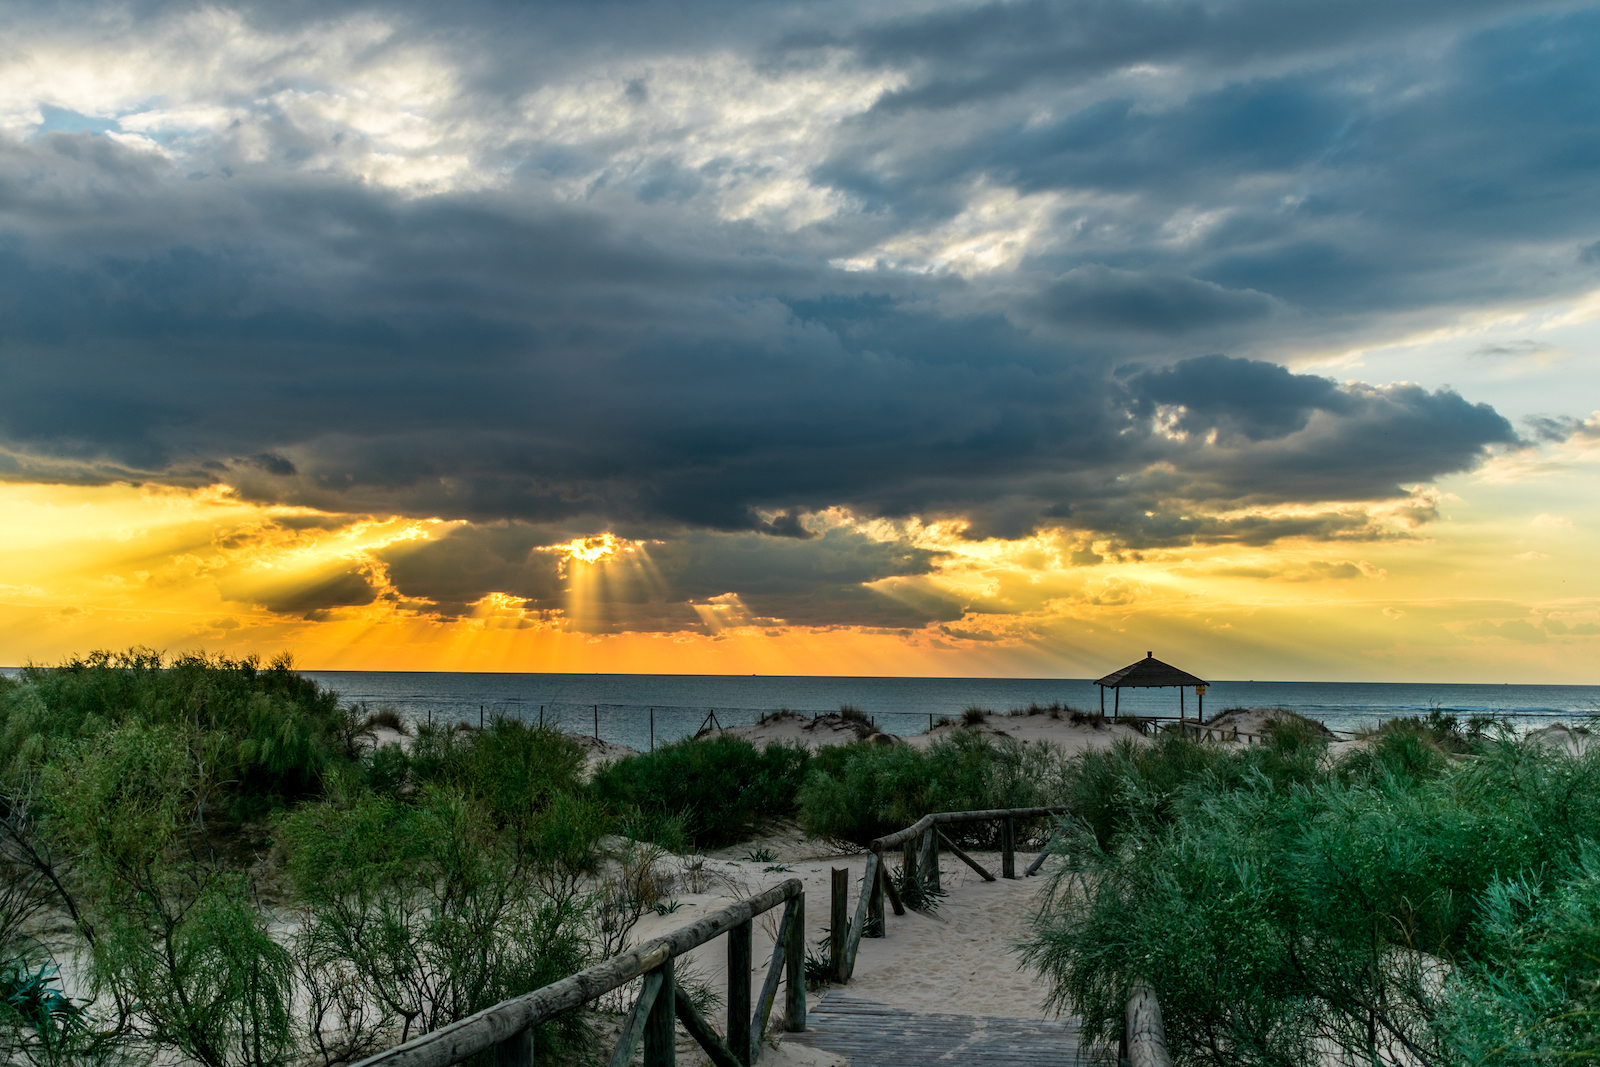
[1487,588]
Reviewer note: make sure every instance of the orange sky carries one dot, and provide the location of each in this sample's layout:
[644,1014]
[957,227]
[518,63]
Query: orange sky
[1496,588]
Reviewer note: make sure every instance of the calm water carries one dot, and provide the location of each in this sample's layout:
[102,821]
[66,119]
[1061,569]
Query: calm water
[624,703]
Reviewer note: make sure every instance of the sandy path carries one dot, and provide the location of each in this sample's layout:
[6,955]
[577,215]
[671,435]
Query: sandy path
[961,959]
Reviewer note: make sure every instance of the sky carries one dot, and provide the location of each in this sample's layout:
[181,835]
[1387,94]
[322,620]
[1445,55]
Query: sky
[873,338]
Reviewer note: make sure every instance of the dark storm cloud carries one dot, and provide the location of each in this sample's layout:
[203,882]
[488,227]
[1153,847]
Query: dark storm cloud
[1250,398]
[309,596]
[1126,300]
[815,581]
[593,324]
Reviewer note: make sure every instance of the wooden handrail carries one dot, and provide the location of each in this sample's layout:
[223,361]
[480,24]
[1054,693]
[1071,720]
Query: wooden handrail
[1144,1038]
[875,878]
[510,1019]
[922,825]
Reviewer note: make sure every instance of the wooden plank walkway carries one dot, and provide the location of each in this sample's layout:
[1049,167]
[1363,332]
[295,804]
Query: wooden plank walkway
[876,1035]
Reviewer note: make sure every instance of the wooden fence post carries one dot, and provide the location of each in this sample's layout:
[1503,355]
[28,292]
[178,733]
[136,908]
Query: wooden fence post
[794,992]
[840,923]
[515,1051]
[660,1040]
[1146,1037]
[875,901]
[1008,848]
[739,960]
[930,856]
[908,861]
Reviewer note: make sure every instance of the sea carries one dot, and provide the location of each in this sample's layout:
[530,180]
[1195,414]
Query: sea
[641,710]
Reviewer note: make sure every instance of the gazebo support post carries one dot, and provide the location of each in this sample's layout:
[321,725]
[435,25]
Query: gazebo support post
[1116,704]
[1180,704]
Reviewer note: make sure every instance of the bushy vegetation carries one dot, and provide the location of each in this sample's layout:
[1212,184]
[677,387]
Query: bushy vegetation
[1433,899]
[270,734]
[859,792]
[153,802]
[713,790]
[251,883]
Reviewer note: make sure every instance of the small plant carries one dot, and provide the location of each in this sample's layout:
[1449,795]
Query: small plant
[35,996]
[761,855]
[819,969]
[778,868]
[859,720]
[387,718]
[917,893]
[667,907]
[974,716]
[945,720]
[696,879]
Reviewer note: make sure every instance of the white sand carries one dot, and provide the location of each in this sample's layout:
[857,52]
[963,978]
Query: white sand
[1071,737]
[808,732]
[1574,741]
[597,752]
[831,729]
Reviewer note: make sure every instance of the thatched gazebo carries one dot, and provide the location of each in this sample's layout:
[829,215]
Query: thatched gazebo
[1151,673]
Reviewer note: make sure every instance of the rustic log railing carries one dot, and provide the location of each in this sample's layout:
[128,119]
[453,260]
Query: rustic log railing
[921,843]
[508,1027]
[1220,733]
[1144,1039]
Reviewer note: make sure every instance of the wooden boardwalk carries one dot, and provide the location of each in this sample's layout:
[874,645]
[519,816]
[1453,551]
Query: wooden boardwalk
[876,1035]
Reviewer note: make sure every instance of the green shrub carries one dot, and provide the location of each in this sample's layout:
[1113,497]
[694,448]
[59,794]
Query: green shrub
[178,943]
[429,909]
[272,733]
[1318,909]
[1130,783]
[514,771]
[722,787]
[859,792]
[1531,993]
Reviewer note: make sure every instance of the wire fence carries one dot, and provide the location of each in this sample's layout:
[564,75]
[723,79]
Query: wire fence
[643,726]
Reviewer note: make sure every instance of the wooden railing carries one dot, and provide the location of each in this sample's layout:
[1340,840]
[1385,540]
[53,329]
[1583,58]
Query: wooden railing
[508,1027]
[1202,732]
[1144,1040]
[921,844]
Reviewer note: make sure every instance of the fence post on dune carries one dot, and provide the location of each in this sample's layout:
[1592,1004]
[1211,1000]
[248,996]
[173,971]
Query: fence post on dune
[660,1038]
[1008,848]
[794,980]
[515,1051]
[1143,1032]
[908,861]
[740,955]
[840,923]
[875,900]
[930,857]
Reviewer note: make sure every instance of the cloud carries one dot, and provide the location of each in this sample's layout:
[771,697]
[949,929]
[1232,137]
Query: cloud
[1513,630]
[310,595]
[827,579]
[554,275]
[1105,298]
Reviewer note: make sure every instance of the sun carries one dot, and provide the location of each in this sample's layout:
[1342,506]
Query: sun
[596,549]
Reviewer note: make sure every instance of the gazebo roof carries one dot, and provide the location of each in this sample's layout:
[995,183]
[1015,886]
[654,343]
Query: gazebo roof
[1148,673]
